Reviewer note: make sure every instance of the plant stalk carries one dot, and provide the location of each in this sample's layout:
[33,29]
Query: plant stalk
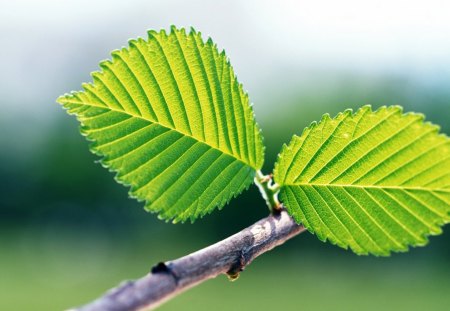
[229,256]
[269,191]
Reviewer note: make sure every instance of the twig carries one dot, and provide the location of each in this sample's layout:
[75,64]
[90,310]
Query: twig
[229,256]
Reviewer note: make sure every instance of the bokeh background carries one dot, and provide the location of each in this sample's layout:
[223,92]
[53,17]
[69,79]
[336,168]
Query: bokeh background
[68,232]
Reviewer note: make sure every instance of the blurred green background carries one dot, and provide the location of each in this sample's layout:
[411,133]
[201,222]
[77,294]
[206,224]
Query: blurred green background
[68,232]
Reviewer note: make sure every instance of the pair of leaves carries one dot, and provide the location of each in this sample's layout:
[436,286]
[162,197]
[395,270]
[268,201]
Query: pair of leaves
[169,116]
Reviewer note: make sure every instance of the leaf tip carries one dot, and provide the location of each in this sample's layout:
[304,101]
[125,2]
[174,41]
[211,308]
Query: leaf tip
[325,117]
[311,126]
[104,64]
[152,34]
[62,99]
[115,54]
[210,42]
[192,31]
[174,29]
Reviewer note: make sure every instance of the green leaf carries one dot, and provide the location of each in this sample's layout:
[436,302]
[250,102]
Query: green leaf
[373,181]
[169,116]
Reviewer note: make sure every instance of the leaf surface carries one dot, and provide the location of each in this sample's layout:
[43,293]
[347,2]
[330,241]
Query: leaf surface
[169,116]
[373,181]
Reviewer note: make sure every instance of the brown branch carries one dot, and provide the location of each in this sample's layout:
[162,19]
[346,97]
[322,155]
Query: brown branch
[229,256]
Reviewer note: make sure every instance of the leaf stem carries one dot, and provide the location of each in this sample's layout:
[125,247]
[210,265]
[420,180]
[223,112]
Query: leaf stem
[269,191]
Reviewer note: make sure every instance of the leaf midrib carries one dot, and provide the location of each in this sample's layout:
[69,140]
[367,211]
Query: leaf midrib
[370,187]
[155,122]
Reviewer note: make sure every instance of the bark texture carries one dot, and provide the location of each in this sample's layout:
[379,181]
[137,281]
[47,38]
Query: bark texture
[229,256]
